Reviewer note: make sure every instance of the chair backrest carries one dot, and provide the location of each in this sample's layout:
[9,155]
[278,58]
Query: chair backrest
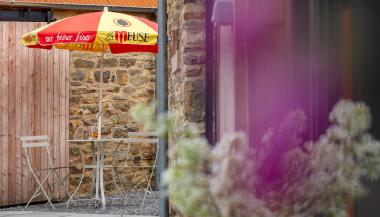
[34,141]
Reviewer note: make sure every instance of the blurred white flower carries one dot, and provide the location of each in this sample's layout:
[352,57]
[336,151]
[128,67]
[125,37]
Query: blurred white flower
[318,177]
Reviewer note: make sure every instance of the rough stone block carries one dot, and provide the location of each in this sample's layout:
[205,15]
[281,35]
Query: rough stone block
[194,58]
[122,106]
[139,80]
[81,63]
[78,75]
[108,63]
[106,76]
[193,24]
[194,100]
[150,65]
[122,77]
[124,62]
[134,72]
[193,70]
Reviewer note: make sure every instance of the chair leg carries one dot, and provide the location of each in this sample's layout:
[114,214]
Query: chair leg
[80,182]
[149,186]
[40,184]
[114,174]
[35,194]
[61,182]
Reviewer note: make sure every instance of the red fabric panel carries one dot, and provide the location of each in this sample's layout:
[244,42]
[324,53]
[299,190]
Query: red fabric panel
[125,48]
[83,29]
[48,47]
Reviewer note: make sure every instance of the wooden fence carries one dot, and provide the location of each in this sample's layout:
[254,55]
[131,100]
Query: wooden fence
[34,94]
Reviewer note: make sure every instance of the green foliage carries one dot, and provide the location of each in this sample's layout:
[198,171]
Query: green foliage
[222,181]
[186,179]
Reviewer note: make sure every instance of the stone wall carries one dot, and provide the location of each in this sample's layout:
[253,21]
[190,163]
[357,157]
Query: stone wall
[186,63]
[186,60]
[128,79]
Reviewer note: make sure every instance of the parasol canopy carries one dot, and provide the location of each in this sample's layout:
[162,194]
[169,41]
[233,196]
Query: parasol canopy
[97,32]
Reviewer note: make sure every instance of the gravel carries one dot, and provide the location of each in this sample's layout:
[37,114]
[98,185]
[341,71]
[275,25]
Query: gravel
[131,205]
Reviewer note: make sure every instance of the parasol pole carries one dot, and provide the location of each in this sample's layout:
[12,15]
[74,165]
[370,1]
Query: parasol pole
[98,169]
[100,98]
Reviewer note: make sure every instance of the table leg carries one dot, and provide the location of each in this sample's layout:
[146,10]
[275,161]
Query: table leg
[97,174]
[94,172]
[101,175]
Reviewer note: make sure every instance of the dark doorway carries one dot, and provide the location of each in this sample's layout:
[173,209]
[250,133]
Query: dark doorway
[366,71]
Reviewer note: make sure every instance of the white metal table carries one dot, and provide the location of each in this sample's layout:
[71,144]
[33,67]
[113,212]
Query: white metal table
[98,163]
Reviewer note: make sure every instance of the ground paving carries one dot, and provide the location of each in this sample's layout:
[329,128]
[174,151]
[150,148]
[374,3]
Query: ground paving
[57,214]
[129,206]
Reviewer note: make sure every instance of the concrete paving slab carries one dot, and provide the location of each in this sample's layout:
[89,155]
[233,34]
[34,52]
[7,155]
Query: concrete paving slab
[32,214]
[90,215]
[13,213]
[57,214]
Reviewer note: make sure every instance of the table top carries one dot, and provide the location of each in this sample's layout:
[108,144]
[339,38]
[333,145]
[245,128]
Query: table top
[127,140]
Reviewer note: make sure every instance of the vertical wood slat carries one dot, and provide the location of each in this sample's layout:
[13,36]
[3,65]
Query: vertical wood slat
[24,71]
[30,106]
[56,116]
[37,104]
[11,112]
[4,117]
[43,101]
[34,101]
[50,102]
[18,161]
[67,87]
[62,123]
[1,137]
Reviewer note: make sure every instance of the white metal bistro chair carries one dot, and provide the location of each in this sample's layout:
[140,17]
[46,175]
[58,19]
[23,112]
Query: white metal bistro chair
[137,137]
[42,142]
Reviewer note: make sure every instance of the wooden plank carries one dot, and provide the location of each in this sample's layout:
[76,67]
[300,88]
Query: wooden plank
[50,101]
[44,104]
[67,126]
[56,116]
[36,106]
[18,162]
[30,124]
[1,124]
[4,116]
[24,115]
[12,111]
[62,115]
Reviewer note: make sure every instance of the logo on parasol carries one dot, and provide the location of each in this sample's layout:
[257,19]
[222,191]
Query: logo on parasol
[122,22]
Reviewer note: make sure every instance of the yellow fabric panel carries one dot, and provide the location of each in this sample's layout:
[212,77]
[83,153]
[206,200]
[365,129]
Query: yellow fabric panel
[95,47]
[116,28]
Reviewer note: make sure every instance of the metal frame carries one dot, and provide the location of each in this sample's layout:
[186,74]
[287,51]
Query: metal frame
[42,142]
[148,177]
[98,166]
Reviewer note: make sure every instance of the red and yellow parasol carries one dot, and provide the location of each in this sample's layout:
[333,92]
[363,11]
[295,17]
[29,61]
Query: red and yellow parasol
[97,32]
